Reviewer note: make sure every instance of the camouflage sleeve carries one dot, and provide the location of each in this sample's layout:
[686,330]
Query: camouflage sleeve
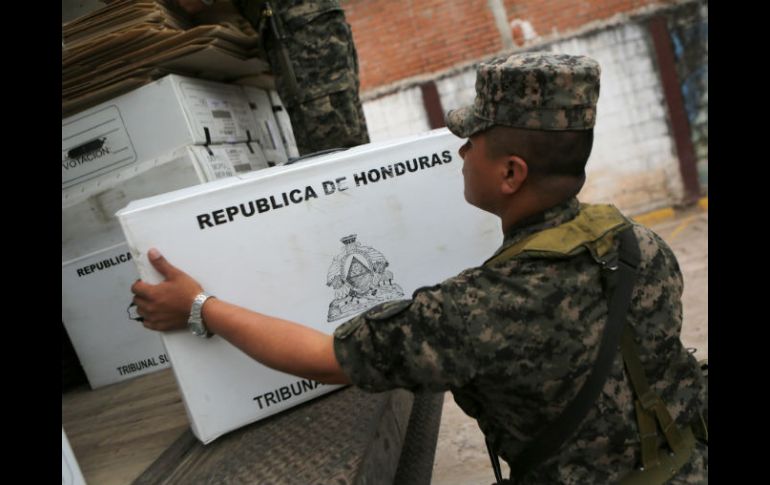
[418,344]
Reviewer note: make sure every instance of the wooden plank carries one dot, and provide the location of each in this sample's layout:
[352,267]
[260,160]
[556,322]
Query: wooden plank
[137,432]
[117,431]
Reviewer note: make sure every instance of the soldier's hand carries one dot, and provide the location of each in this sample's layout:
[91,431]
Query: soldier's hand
[165,306]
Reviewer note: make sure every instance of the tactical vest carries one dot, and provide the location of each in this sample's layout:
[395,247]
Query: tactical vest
[595,229]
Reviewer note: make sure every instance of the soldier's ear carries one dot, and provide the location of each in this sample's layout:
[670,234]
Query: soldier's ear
[515,171]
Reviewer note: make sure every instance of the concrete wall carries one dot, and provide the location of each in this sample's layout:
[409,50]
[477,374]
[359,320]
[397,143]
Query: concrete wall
[396,115]
[402,43]
[634,163]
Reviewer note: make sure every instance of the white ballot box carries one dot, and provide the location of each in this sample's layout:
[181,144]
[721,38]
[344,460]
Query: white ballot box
[70,470]
[96,269]
[147,122]
[316,242]
[268,133]
[88,221]
[284,125]
[111,344]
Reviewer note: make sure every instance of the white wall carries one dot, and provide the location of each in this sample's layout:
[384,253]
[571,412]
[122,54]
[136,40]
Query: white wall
[633,163]
[457,91]
[396,115]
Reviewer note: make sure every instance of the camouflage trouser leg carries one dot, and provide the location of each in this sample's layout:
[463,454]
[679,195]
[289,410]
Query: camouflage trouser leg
[332,121]
[325,111]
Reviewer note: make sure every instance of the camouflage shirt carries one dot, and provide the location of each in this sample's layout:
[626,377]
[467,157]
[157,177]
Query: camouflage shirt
[515,341]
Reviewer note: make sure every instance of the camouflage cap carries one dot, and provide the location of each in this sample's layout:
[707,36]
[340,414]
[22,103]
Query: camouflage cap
[535,91]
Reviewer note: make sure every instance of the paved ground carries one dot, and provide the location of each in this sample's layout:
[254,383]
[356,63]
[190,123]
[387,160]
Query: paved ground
[461,456]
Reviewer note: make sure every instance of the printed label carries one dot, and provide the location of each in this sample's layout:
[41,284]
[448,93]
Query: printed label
[94,145]
[222,110]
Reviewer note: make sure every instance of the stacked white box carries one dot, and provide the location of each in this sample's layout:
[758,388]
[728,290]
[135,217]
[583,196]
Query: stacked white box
[284,124]
[70,470]
[94,308]
[221,161]
[88,222]
[142,143]
[149,122]
[292,242]
[268,133]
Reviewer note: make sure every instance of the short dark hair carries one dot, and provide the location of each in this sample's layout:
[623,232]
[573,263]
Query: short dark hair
[547,153]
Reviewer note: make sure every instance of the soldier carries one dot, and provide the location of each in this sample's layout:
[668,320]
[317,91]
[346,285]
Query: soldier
[310,49]
[522,340]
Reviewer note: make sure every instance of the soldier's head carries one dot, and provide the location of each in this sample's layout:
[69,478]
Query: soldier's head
[530,129]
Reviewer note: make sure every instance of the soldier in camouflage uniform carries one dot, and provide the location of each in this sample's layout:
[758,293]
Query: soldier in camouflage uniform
[311,52]
[514,339]
[324,106]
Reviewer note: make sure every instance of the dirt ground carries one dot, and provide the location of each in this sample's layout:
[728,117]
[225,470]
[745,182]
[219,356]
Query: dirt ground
[461,456]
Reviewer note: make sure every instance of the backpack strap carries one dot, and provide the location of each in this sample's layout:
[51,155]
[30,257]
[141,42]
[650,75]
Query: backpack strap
[553,436]
[651,413]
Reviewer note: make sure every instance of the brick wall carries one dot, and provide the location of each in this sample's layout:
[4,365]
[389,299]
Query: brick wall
[553,18]
[398,39]
[633,163]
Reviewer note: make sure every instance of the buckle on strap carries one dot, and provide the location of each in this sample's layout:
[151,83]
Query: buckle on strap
[667,467]
[609,264]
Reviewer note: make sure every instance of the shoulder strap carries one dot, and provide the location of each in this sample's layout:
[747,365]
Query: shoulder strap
[651,413]
[548,442]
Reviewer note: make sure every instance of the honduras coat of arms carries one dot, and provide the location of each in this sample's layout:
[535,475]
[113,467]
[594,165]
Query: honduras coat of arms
[360,278]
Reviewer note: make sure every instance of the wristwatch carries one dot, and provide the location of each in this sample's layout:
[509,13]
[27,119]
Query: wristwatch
[195,322]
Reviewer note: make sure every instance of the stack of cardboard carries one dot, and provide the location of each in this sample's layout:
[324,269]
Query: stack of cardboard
[129,43]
